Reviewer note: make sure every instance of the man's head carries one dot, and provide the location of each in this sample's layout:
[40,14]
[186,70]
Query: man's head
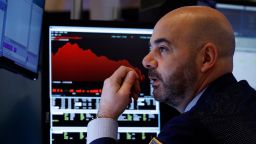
[191,47]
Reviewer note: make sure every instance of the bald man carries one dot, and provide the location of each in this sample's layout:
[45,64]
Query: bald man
[190,65]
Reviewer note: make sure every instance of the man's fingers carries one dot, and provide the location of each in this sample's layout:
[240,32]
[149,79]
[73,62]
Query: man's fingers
[137,87]
[135,90]
[120,74]
[128,83]
[135,96]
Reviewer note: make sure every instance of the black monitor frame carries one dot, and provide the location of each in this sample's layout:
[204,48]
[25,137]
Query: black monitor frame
[15,68]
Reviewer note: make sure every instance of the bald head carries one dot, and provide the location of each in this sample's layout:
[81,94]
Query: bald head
[199,25]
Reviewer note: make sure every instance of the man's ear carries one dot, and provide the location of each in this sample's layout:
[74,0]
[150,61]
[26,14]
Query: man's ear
[209,54]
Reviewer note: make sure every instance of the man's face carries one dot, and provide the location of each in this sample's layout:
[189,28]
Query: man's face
[171,65]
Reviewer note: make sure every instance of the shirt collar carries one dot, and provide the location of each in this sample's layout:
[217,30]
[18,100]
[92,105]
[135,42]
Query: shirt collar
[192,103]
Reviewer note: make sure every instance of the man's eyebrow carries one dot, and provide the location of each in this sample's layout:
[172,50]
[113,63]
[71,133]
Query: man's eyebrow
[160,40]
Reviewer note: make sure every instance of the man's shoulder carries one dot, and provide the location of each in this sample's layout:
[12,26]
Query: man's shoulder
[244,87]
[227,99]
[228,112]
[225,93]
[183,129]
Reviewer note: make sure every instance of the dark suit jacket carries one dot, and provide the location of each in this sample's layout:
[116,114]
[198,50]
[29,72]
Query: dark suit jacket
[225,114]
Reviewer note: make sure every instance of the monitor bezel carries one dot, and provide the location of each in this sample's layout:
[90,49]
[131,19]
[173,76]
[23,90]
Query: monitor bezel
[15,68]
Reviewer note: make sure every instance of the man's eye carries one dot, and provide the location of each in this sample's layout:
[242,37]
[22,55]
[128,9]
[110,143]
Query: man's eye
[163,49]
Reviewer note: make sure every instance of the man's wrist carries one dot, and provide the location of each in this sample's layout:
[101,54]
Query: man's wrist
[103,115]
[100,116]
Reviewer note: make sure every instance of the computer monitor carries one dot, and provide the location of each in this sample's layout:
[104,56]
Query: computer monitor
[81,55]
[20,32]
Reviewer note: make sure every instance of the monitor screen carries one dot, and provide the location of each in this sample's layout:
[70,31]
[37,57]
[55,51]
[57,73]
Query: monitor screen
[20,32]
[245,60]
[80,59]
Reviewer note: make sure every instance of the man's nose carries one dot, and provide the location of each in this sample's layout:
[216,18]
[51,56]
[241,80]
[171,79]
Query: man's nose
[149,62]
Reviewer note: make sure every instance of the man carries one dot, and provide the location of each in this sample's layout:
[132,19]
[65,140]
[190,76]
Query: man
[190,65]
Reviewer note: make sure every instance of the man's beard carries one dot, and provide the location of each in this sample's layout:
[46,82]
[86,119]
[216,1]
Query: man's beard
[174,89]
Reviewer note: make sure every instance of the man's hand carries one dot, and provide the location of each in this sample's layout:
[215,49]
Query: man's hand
[118,91]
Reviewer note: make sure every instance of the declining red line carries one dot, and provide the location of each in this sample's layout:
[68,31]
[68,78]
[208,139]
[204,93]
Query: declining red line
[75,64]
